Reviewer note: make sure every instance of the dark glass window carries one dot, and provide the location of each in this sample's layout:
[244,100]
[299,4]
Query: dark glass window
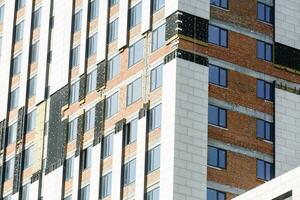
[217,116]
[265,12]
[220,3]
[264,90]
[217,75]
[264,130]
[216,157]
[217,36]
[86,158]
[264,170]
[131,131]
[264,50]
[215,194]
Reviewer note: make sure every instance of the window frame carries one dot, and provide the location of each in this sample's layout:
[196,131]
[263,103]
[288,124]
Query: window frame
[265,83]
[218,122]
[265,123]
[133,21]
[107,146]
[128,177]
[155,38]
[217,193]
[154,8]
[152,117]
[36,18]
[265,6]
[218,157]
[151,157]
[220,4]
[134,89]
[106,185]
[219,76]
[154,83]
[129,136]
[113,28]
[265,163]
[109,105]
[113,67]
[265,45]
[220,29]
[77,21]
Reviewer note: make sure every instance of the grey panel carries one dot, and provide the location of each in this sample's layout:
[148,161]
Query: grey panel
[21,123]
[120,125]
[101,75]
[2,133]
[82,87]
[143,111]
[99,121]
[189,56]
[80,133]
[17,172]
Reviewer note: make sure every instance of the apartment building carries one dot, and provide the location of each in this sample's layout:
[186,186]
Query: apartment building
[147,99]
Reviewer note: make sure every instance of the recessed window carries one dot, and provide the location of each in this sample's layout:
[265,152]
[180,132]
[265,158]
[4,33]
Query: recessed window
[217,75]
[106,185]
[135,15]
[9,169]
[8,197]
[113,2]
[69,168]
[20,4]
[86,158]
[16,64]
[216,157]
[92,45]
[153,159]
[153,194]
[34,52]
[19,29]
[129,172]
[14,99]
[113,67]
[136,52]
[264,170]
[72,131]
[89,122]
[91,82]
[220,3]
[32,87]
[217,116]
[264,130]
[1,14]
[36,19]
[134,91]
[112,105]
[31,121]
[217,36]
[12,134]
[77,21]
[265,90]
[25,191]
[156,77]
[68,197]
[107,146]
[215,194]
[28,157]
[265,13]
[75,59]
[158,37]
[74,92]
[264,50]
[93,9]
[157,5]
[113,30]
[85,193]
[155,118]
[131,131]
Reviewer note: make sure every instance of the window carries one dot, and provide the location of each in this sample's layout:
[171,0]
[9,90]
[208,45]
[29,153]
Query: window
[89,119]
[264,50]
[113,30]
[153,159]
[34,52]
[72,131]
[69,168]
[158,37]
[9,169]
[105,185]
[25,192]
[218,75]
[107,146]
[86,158]
[135,15]
[157,5]
[264,13]
[91,82]
[20,4]
[74,92]
[16,64]
[92,45]
[216,157]
[217,36]
[77,21]
[215,194]
[93,9]
[85,193]
[14,99]
[19,29]
[131,131]
[113,67]
[36,21]
[217,116]
[129,172]
[113,2]
[156,77]
[155,117]
[68,197]
[12,133]
[264,170]
[32,86]
[111,106]
[8,197]
[27,157]
[1,14]
[134,91]
[75,53]
[31,121]
[220,3]
[264,130]
[153,194]
[136,52]
[264,90]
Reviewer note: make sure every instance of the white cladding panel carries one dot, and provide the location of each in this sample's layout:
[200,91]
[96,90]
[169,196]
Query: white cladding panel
[52,186]
[95,172]
[123,26]
[102,31]
[34,190]
[5,61]
[75,179]
[59,68]
[146,13]
[85,4]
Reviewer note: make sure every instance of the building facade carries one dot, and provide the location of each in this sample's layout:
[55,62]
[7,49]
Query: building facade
[147,99]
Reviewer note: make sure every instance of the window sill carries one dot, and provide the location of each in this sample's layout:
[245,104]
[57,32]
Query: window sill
[220,127]
[221,8]
[217,168]
[219,86]
[264,140]
[264,22]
